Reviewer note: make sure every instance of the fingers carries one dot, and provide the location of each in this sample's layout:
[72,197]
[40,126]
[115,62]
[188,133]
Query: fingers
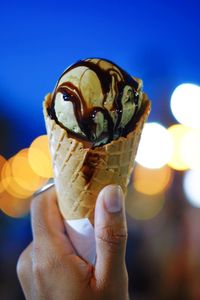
[110,230]
[45,216]
[47,223]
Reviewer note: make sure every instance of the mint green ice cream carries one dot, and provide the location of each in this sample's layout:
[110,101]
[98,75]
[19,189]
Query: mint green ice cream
[96,100]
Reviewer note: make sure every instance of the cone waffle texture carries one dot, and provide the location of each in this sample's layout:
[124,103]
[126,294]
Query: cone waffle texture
[80,172]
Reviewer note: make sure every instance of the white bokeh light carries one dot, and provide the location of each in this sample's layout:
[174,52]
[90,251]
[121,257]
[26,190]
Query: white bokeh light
[185,104]
[191,184]
[155,148]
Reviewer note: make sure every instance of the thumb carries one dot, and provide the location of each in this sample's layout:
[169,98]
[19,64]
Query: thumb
[110,231]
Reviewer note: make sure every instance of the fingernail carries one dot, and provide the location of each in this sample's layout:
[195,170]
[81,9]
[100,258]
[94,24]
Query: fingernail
[113,198]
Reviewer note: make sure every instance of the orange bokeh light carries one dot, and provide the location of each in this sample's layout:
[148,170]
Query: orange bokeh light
[24,174]
[18,182]
[10,184]
[152,181]
[40,158]
[2,163]
[13,206]
[142,206]
[18,178]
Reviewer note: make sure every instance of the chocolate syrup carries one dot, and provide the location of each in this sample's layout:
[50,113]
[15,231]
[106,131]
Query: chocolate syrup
[85,116]
[89,166]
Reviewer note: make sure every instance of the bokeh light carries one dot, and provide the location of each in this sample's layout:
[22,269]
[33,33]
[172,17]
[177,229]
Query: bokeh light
[18,179]
[152,181]
[143,207]
[14,207]
[2,163]
[185,104]
[177,133]
[18,182]
[155,148]
[24,174]
[10,183]
[40,158]
[191,148]
[191,186]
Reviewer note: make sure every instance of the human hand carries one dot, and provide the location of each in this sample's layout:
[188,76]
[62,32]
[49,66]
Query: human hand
[49,267]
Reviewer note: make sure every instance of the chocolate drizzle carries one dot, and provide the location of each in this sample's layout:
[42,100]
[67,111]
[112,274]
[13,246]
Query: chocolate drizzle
[85,116]
[90,163]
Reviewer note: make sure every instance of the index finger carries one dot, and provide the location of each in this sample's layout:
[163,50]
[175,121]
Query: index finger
[47,222]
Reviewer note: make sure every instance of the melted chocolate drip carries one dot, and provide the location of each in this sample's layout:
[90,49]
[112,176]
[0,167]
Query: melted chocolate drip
[85,116]
[89,166]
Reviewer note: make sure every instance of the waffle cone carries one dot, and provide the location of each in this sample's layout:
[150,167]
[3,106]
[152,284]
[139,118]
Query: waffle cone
[80,172]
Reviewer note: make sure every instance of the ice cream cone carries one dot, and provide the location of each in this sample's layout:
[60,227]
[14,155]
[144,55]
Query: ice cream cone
[80,172]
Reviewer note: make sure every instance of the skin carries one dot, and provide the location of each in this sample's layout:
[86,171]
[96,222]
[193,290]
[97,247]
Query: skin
[49,267]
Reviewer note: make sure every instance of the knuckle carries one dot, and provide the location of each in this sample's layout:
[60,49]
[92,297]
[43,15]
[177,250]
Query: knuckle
[43,263]
[22,264]
[42,272]
[39,275]
[38,271]
[115,239]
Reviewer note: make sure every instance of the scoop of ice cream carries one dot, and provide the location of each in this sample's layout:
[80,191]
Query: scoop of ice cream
[96,100]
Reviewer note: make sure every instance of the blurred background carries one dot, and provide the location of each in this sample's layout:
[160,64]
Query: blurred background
[157,41]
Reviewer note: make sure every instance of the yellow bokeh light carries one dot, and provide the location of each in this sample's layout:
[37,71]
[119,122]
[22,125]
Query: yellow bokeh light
[151,181]
[6,169]
[24,174]
[177,161]
[2,163]
[40,158]
[191,148]
[143,207]
[13,206]
[10,183]
[18,182]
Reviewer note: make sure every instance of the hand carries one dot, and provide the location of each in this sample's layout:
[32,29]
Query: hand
[49,268]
